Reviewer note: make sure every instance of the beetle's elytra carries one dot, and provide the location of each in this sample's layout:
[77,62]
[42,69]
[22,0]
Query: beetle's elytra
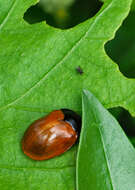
[51,135]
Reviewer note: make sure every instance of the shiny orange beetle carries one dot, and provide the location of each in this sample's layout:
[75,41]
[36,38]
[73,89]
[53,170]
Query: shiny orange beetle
[51,135]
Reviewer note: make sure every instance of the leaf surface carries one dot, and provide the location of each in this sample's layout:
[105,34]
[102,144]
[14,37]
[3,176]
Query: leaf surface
[38,74]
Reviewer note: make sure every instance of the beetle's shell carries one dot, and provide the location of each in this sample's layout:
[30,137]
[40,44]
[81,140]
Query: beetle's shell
[48,137]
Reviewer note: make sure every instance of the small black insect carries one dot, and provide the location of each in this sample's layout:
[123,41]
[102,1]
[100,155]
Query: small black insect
[79,70]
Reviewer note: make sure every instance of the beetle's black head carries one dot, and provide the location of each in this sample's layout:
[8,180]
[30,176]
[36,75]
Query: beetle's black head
[73,119]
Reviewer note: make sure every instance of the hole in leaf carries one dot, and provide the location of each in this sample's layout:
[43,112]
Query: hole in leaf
[62,13]
[126,121]
[121,49]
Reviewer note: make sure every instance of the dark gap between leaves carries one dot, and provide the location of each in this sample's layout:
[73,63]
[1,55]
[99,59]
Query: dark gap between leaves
[121,49]
[60,15]
[126,121]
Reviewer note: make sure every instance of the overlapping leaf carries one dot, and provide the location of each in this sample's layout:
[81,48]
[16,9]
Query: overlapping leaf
[106,158]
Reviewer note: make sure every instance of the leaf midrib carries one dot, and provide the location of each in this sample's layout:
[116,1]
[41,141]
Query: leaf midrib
[107,161]
[104,151]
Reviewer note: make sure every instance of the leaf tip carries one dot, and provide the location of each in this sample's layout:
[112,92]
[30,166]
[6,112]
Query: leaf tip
[87,93]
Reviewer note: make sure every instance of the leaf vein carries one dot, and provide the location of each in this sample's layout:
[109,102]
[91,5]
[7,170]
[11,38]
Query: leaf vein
[106,158]
[8,14]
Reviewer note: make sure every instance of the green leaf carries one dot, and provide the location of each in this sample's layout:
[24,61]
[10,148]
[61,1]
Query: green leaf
[37,55]
[38,74]
[106,158]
